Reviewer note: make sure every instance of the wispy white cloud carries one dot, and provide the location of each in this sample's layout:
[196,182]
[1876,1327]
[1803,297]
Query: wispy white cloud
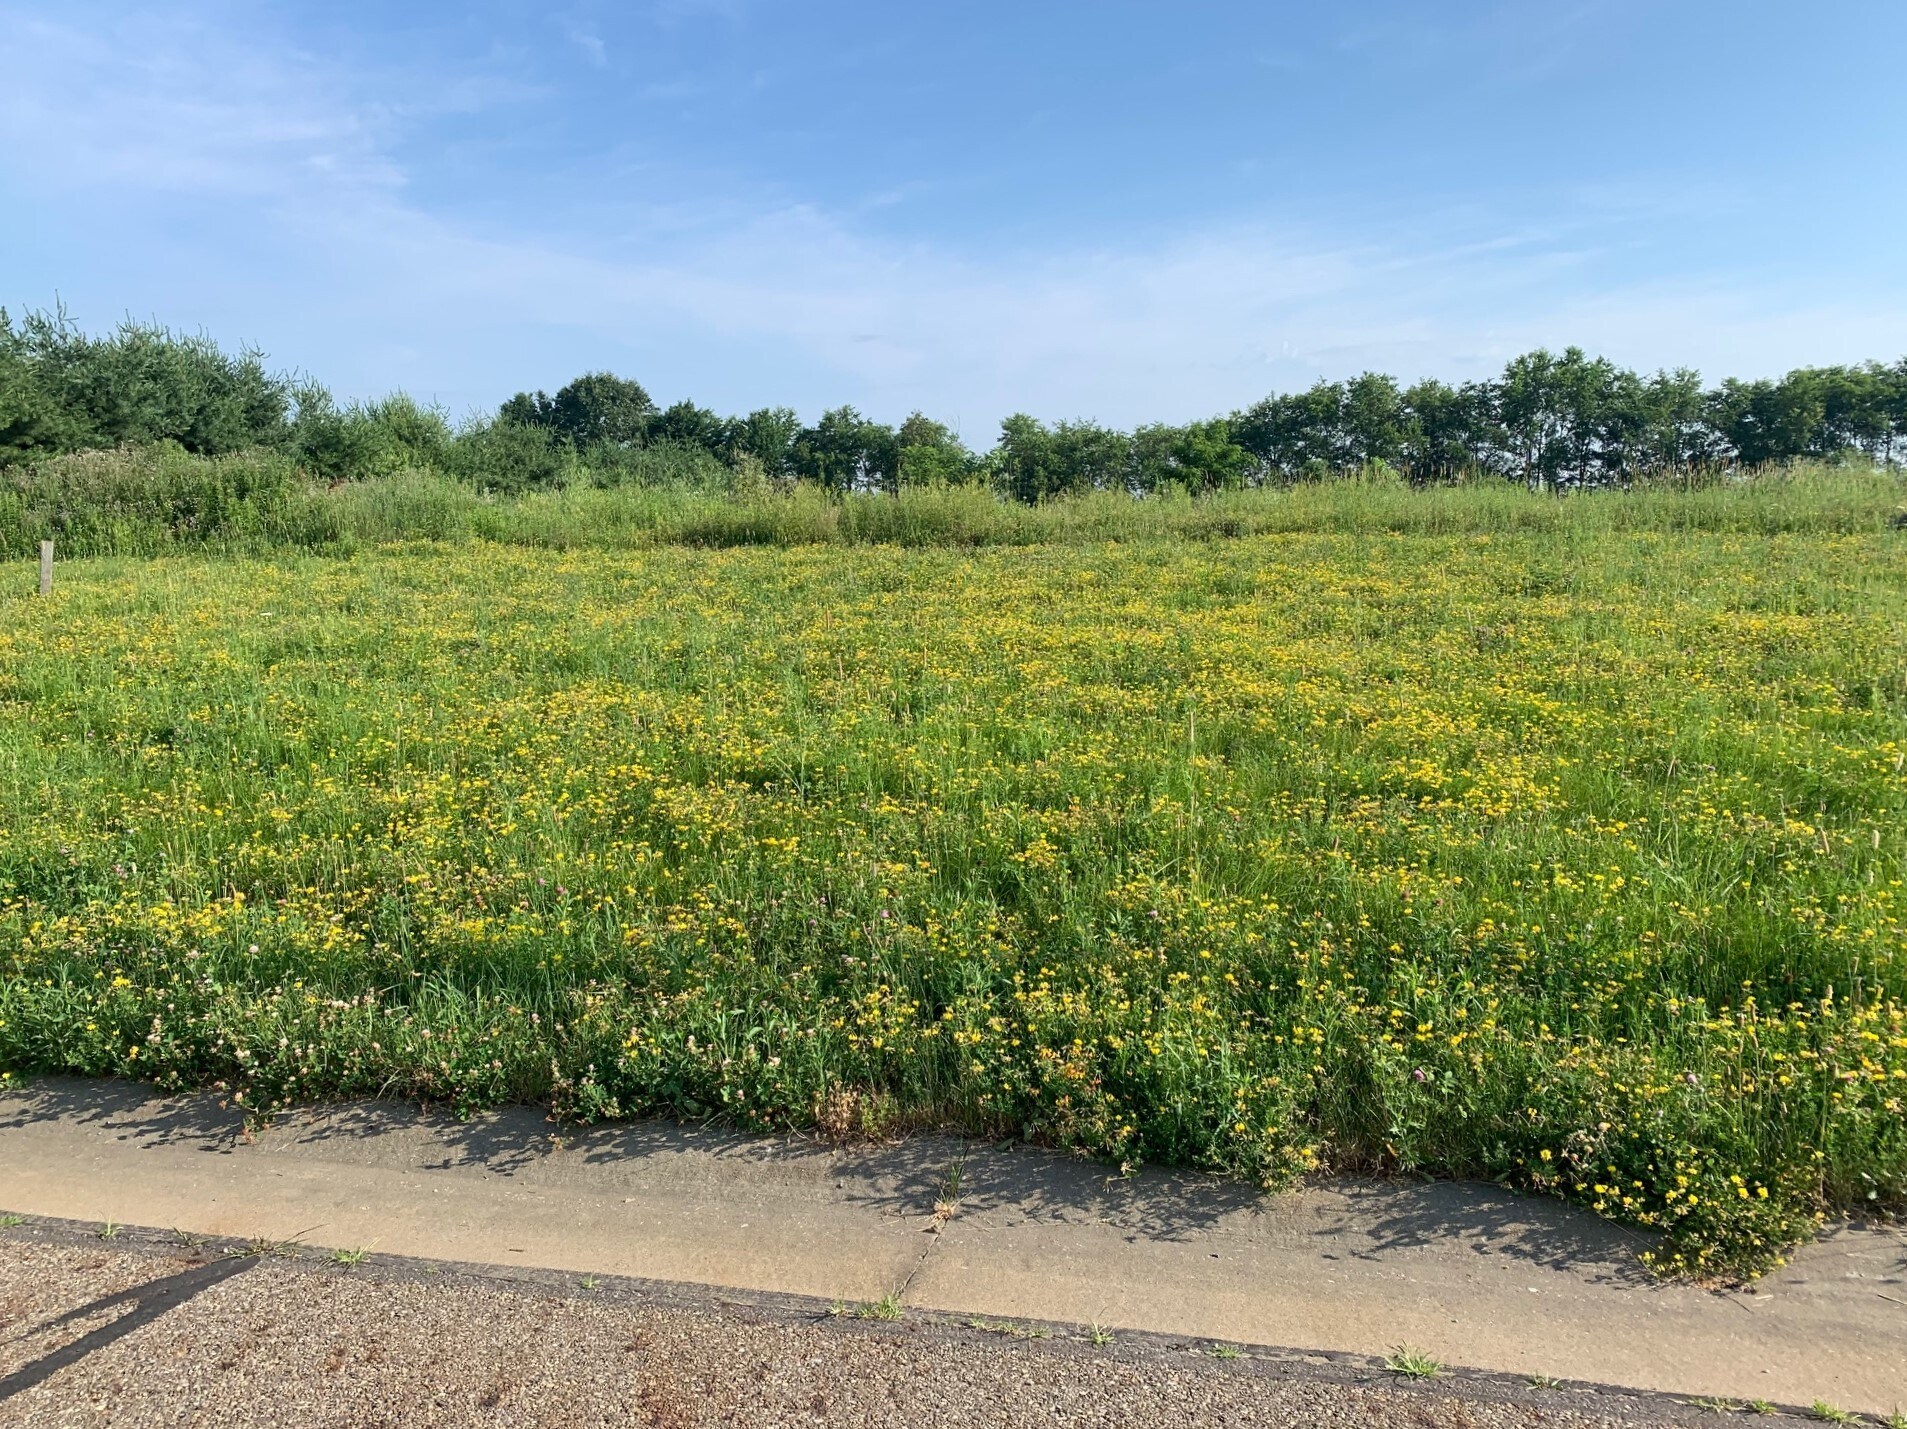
[169,107]
[746,302]
[586,39]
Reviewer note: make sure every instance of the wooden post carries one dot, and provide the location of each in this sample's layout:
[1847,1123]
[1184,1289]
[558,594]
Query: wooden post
[46,568]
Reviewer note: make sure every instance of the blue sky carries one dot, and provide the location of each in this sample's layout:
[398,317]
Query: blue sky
[1113,210]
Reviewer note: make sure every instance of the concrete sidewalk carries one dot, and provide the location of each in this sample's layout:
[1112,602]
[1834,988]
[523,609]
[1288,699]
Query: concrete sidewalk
[1469,1273]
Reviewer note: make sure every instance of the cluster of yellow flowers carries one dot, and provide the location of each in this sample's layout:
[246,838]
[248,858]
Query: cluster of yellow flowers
[1576,861]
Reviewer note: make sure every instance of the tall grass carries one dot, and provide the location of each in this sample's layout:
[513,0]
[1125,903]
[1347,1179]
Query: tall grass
[147,501]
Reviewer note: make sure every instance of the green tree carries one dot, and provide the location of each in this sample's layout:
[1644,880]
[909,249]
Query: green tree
[598,408]
[1449,432]
[844,451]
[1297,436]
[769,436]
[688,425]
[1673,429]
[929,454]
[1570,420]
[142,383]
[1855,412]
[1766,422]
[1372,421]
[1894,403]
[1197,457]
[602,407]
[31,422]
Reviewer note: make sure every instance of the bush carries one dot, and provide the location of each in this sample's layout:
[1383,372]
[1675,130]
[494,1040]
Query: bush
[509,458]
[143,500]
[62,391]
[368,439]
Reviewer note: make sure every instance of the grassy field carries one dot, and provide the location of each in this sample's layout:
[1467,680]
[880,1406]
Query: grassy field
[159,501]
[1569,855]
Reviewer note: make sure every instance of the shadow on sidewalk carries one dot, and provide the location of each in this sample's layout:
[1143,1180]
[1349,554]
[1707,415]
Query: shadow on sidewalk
[135,1112]
[1340,1219]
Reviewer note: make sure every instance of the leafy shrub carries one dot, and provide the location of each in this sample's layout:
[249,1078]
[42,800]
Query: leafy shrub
[370,438]
[142,500]
[508,458]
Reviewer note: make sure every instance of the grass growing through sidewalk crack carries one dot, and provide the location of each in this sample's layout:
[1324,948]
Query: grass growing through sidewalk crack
[9,1221]
[947,1202]
[355,1256]
[109,1231]
[1544,1381]
[1011,1330]
[1412,1363]
[265,1248]
[1715,1406]
[1098,1334]
[888,1307]
[1830,1413]
[1225,1352]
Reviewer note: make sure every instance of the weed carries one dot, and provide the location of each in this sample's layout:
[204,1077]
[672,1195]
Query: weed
[1543,1381]
[1098,1334]
[588,1282]
[1829,1413]
[10,1220]
[1011,1330]
[1412,1363]
[1715,1406]
[947,1202]
[355,1256]
[1760,1406]
[1224,1352]
[264,1247]
[109,1230]
[888,1307]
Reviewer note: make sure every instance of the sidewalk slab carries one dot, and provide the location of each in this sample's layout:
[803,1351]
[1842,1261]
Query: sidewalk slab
[1473,1274]
[1470,1273]
[647,1200]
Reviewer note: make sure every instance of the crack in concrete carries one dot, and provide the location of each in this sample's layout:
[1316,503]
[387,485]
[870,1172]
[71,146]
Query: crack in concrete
[950,1180]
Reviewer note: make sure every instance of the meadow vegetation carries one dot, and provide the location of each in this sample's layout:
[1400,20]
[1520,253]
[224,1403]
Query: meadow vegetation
[222,429]
[1464,831]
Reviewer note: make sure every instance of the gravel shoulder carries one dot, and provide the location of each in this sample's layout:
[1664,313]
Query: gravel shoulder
[140,1329]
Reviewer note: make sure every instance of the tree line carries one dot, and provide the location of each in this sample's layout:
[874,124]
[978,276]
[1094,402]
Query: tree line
[1551,421]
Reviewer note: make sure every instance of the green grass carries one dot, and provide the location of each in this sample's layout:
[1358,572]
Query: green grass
[1564,854]
[888,1307]
[155,501]
[1409,1363]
